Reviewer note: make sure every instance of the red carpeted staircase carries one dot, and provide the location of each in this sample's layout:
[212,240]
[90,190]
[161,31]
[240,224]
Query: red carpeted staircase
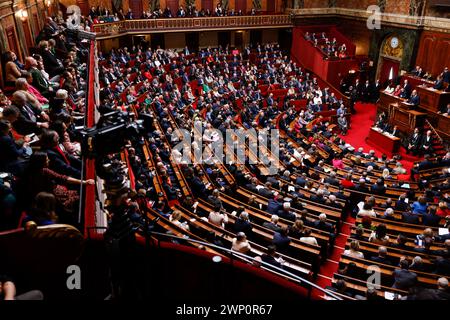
[330,267]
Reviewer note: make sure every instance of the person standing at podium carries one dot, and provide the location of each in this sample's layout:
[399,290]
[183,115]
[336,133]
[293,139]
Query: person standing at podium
[414,99]
[414,142]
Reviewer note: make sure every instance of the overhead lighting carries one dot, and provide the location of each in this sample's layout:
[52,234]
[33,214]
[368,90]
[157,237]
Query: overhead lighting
[23,14]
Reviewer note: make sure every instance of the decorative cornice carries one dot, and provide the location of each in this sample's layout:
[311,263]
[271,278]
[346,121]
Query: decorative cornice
[399,20]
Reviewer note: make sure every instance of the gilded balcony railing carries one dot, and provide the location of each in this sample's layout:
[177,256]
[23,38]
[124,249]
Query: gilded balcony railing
[119,28]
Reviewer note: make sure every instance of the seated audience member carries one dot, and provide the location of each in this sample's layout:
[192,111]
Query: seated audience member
[379,236]
[242,224]
[420,206]
[353,251]
[307,238]
[60,160]
[404,279]
[382,256]
[8,291]
[217,218]
[13,155]
[12,70]
[30,119]
[241,244]
[273,224]
[43,211]
[175,217]
[281,239]
[270,257]
[340,287]
[39,177]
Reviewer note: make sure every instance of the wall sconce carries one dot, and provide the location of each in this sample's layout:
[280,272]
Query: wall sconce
[49,3]
[23,14]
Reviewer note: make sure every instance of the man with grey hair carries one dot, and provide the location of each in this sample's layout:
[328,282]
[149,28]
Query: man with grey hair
[31,119]
[322,224]
[417,264]
[273,224]
[286,213]
[442,291]
[382,256]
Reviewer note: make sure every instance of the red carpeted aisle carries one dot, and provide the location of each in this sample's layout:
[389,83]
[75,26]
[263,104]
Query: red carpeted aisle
[361,123]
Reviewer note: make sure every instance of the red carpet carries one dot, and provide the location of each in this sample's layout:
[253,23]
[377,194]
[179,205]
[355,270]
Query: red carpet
[361,123]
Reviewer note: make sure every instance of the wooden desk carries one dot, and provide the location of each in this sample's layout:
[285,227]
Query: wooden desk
[431,99]
[383,141]
[387,99]
[406,120]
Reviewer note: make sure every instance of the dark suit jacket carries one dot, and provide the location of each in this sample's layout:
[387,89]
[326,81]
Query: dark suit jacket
[431,220]
[58,164]
[271,226]
[10,151]
[404,279]
[269,259]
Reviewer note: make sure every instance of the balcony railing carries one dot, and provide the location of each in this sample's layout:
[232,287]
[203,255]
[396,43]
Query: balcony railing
[107,30]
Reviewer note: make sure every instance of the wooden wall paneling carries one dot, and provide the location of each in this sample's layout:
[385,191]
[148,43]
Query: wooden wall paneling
[12,40]
[27,33]
[434,52]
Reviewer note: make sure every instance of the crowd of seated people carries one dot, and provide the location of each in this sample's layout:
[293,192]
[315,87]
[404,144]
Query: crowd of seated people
[101,15]
[42,101]
[330,48]
[215,89]
[440,79]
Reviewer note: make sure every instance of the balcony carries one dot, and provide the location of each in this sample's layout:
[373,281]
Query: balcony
[126,27]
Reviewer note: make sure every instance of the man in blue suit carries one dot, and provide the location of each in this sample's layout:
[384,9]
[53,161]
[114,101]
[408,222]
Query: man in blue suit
[414,99]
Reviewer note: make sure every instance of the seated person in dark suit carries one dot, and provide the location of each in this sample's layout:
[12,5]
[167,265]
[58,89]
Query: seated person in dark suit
[322,223]
[12,155]
[409,217]
[286,213]
[395,132]
[273,224]
[382,256]
[269,257]
[403,278]
[340,287]
[281,239]
[378,188]
[242,224]
[431,219]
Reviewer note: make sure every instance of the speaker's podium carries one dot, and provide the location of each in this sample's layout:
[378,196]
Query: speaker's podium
[383,141]
[406,119]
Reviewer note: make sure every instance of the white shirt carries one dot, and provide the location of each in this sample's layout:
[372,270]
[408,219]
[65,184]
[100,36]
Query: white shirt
[217,218]
[354,254]
[241,246]
[310,240]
